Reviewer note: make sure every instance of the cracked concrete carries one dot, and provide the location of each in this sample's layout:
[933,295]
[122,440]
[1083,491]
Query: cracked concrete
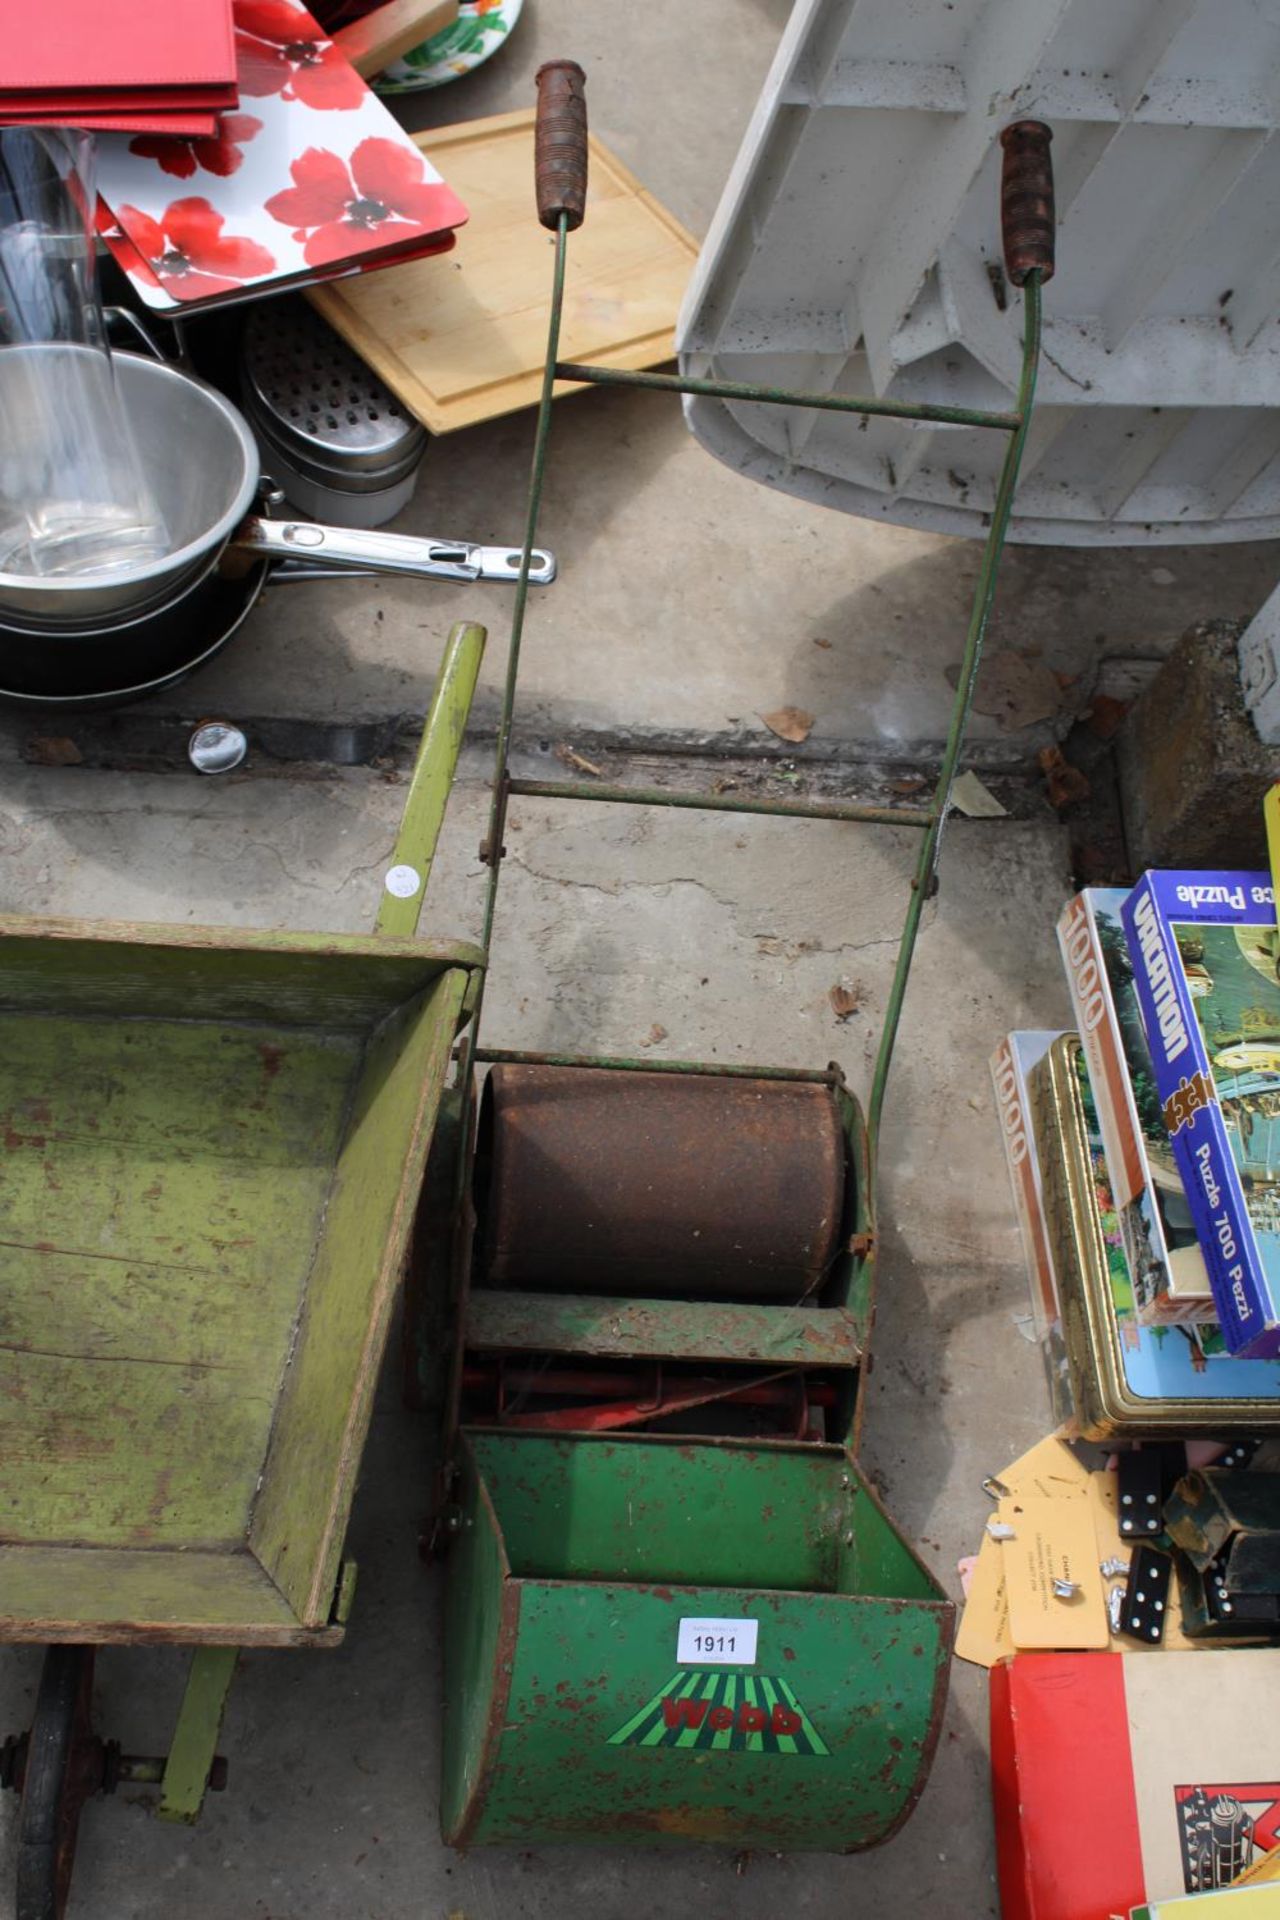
[725,934]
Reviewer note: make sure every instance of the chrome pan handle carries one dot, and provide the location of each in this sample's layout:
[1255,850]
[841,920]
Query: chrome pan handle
[308,541]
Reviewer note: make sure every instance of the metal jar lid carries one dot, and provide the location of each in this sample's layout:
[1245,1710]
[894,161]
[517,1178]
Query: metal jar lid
[313,400]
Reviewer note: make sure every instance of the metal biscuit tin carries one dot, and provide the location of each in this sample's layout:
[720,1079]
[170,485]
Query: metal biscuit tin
[1127,1380]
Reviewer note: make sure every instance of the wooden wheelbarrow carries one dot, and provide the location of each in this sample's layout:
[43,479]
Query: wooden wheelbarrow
[212,1143]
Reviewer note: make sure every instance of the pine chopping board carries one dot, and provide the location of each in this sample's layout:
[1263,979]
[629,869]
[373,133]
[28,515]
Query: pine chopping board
[461,338]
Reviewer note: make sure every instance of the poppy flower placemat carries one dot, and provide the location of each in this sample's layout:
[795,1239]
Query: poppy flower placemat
[312,178]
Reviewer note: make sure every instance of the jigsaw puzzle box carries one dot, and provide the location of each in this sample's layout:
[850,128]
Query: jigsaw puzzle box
[1204,948]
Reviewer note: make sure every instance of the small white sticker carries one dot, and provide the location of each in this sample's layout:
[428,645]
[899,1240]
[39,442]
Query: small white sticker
[717,1643]
[403,882]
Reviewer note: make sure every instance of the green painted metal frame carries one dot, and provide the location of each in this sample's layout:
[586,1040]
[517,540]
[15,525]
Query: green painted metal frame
[723,803]
[928,821]
[560,1620]
[931,820]
[787,397]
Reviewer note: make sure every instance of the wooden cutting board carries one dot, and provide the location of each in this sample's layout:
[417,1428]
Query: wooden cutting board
[461,337]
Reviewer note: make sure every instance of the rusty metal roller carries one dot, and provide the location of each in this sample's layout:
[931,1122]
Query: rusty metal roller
[593,1180]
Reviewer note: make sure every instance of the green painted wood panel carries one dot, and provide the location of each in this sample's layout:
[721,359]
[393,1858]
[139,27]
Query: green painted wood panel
[500,1320]
[312,979]
[309,1476]
[116,1595]
[161,1190]
[195,1737]
[433,771]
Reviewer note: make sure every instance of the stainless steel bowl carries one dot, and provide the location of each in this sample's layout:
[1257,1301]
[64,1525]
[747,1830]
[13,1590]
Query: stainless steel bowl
[203,462]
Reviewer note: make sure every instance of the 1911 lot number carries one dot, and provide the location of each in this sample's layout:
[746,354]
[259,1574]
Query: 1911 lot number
[707,1642]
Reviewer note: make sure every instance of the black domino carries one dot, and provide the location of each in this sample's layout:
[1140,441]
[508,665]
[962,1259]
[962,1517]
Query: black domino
[1146,1597]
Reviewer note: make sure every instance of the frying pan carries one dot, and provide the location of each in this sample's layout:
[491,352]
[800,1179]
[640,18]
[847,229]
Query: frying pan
[138,657]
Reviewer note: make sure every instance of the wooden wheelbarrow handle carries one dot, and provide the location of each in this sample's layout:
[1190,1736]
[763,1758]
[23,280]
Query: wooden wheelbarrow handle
[405,881]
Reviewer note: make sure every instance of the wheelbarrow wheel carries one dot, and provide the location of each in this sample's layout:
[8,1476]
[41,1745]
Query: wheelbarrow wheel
[54,1789]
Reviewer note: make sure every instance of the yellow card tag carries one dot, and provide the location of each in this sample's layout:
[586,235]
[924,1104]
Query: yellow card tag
[983,1635]
[1053,1541]
[1048,1469]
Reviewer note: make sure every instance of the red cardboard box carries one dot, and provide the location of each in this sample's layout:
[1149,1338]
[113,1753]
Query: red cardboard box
[1119,1778]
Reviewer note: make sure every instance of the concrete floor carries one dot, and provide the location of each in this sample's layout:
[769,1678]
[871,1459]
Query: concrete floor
[689,604]
[728,935]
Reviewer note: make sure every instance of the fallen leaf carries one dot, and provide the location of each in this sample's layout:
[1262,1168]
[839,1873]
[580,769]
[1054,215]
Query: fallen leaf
[656,1036]
[1066,783]
[568,758]
[723,785]
[824,644]
[845,1000]
[53,751]
[1014,690]
[790,723]
[1105,714]
[912,785]
[975,799]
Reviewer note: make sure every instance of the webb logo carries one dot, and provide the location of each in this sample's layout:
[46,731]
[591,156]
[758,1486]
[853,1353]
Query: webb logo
[723,1713]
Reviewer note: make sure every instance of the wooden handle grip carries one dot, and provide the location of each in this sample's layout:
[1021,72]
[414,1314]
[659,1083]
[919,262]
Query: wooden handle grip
[1027,224]
[560,143]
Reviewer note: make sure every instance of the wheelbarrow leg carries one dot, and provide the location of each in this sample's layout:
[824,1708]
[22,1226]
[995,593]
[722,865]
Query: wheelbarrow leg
[192,1750]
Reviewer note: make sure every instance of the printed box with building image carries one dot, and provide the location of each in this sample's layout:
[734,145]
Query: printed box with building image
[1171,1283]
[1204,948]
